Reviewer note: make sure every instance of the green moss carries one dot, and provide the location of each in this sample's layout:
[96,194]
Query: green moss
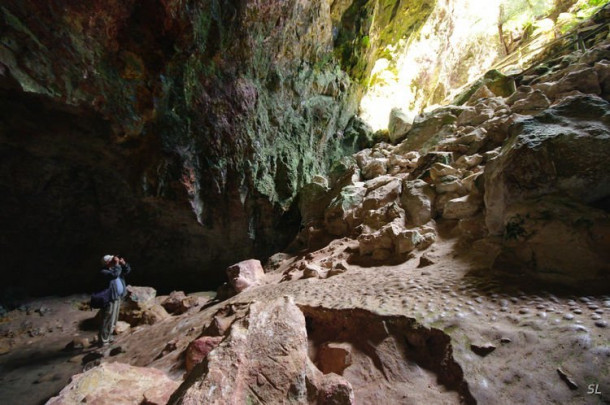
[367,27]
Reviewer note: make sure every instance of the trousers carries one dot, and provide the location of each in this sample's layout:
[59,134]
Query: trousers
[110,316]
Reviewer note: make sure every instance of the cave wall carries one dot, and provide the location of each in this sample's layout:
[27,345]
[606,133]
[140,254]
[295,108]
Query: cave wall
[176,133]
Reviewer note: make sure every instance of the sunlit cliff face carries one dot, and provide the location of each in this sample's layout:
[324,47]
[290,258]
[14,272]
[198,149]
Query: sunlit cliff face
[459,42]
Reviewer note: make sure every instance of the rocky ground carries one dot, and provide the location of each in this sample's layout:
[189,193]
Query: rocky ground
[437,328]
[467,262]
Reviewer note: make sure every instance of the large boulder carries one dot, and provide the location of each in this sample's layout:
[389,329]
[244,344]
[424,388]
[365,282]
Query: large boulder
[264,359]
[245,274]
[141,308]
[399,124]
[429,128]
[418,201]
[563,150]
[340,217]
[558,240]
[117,383]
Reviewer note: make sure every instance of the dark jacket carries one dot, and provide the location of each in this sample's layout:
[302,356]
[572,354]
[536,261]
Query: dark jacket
[116,272]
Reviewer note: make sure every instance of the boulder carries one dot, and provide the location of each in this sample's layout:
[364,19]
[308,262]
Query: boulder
[117,383]
[245,274]
[468,161]
[178,302]
[374,168]
[313,199]
[141,308]
[585,81]
[263,359]
[563,150]
[399,124]
[199,349]
[475,115]
[382,195]
[533,103]
[462,207]
[340,216]
[121,328]
[496,82]
[417,198]
[557,239]
[429,128]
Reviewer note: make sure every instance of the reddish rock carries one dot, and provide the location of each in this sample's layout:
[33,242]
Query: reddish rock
[198,350]
[245,274]
[264,357]
[178,302]
[334,357]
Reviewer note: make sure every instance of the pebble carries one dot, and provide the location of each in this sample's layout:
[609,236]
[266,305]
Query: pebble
[585,299]
[504,303]
[524,311]
[599,311]
[592,306]
[514,300]
[569,317]
[540,306]
[542,315]
[505,340]
[606,304]
[479,300]
[577,311]
[601,324]
[596,317]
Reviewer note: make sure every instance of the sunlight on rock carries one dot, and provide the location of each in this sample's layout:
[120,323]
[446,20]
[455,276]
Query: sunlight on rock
[458,43]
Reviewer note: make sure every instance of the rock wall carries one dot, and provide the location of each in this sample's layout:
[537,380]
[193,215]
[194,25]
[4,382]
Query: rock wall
[198,123]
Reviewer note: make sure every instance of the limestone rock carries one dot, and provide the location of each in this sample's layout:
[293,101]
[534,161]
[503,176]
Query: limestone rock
[374,168]
[382,195]
[140,296]
[178,302]
[533,103]
[564,150]
[263,357]
[340,216]
[475,115]
[418,200]
[557,239]
[462,207]
[429,128]
[399,125]
[245,274]
[585,81]
[468,161]
[140,307]
[198,350]
[121,328]
[312,271]
[313,199]
[117,383]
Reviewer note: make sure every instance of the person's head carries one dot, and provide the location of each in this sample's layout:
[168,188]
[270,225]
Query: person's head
[108,260]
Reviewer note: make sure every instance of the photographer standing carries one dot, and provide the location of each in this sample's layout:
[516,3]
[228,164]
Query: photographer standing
[114,269]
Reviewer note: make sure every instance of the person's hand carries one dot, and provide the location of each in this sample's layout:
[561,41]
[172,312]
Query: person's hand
[121,261]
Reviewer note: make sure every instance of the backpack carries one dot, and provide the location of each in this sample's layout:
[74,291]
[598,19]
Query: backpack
[100,299]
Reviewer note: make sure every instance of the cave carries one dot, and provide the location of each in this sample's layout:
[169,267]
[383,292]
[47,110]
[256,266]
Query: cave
[320,202]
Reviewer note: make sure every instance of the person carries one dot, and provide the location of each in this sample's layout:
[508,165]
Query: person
[115,268]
